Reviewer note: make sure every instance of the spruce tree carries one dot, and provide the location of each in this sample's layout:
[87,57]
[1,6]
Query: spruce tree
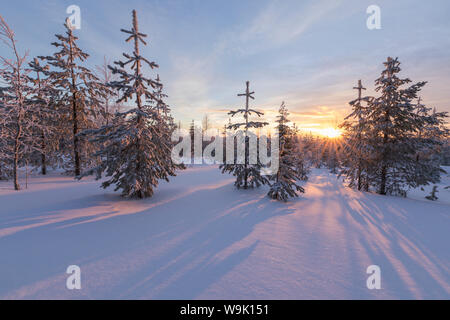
[430,142]
[300,148]
[395,124]
[137,144]
[356,149]
[283,184]
[45,101]
[247,174]
[400,138]
[162,108]
[82,93]
[192,132]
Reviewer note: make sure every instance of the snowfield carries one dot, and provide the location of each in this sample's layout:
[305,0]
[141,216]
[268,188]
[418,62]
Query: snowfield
[200,238]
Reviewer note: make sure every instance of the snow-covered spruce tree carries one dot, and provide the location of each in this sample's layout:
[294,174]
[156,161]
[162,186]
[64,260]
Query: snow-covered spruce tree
[18,118]
[137,144]
[356,149]
[283,184]
[431,140]
[164,121]
[316,151]
[45,100]
[192,132]
[306,143]
[332,150]
[161,107]
[247,174]
[394,124]
[82,94]
[445,153]
[299,150]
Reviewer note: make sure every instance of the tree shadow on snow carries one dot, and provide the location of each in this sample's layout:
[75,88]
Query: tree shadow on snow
[201,229]
[396,236]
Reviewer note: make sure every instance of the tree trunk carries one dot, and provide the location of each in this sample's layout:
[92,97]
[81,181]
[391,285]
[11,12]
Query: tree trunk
[43,158]
[138,97]
[384,166]
[246,161]
[366,186]
[16,155]
[383,180]
[247,151]
[76,152]
[359,177]
[75,137]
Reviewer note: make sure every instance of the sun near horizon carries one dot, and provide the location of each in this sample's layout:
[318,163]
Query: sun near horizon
[326,132]
[330,132]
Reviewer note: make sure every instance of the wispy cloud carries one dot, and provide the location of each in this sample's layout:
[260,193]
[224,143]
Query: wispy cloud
[275,25]
[282,21]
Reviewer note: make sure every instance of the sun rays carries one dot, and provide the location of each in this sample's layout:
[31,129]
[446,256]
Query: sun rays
[330,132]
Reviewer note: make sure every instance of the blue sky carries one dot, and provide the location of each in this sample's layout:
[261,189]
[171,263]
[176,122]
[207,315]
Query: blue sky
[308,53]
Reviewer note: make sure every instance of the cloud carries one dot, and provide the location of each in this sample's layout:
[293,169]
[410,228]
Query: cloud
[282,21]
[275,25]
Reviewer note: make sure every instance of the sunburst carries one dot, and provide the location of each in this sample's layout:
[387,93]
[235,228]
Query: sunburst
[330,132]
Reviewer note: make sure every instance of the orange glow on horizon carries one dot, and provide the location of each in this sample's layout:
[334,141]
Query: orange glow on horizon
[330,132]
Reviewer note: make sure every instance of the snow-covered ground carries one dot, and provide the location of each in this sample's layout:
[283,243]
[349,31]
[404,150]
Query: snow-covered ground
[199,238]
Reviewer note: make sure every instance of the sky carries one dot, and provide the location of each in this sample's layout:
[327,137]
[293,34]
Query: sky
[309,54]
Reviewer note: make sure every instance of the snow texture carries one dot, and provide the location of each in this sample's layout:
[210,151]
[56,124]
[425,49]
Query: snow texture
[200,238]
